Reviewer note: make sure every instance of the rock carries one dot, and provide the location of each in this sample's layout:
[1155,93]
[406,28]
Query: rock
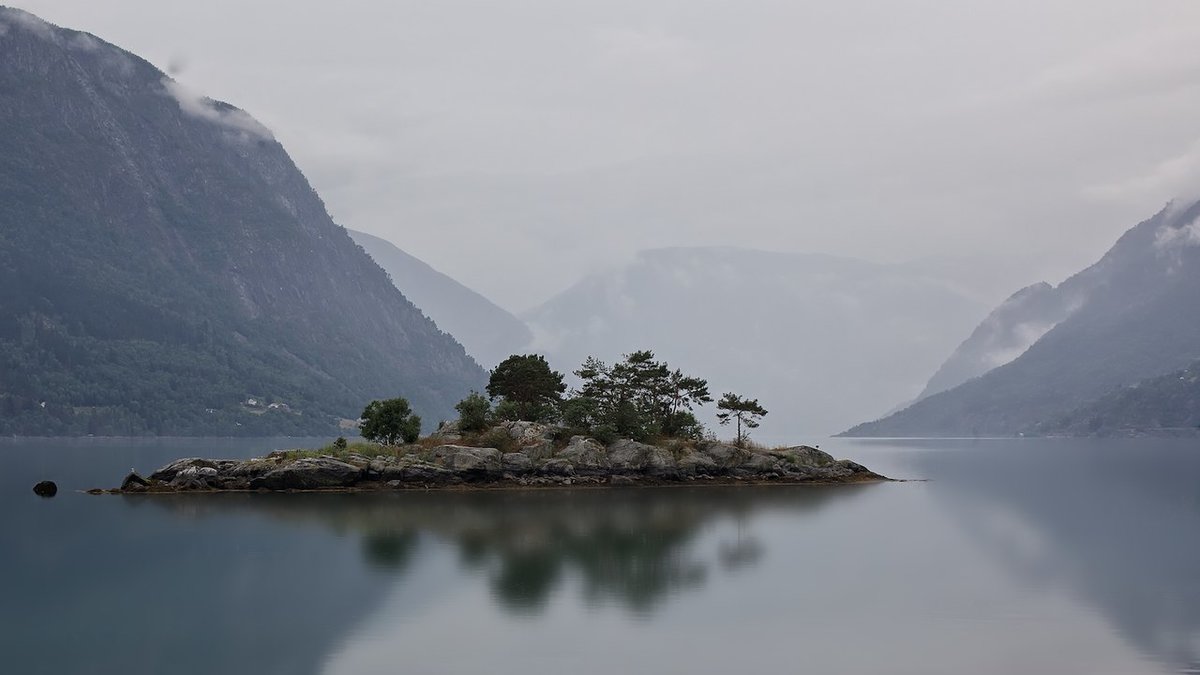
[691,462]
[46,488]
[516,463]
[527,433]
[557,467]
[309,474]
[466,459]
[447,431]
[586,455]
[249,469]
[168,472]
[539,450]
[762,463]
[723,454]
[617,481]
[803,455]
[196,478]
[626,455]
[134,483]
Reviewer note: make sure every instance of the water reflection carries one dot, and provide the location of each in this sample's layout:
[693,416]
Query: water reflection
[1119,531]
[632,548]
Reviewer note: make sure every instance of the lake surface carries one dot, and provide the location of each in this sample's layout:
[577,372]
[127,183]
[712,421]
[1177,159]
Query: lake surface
[1031,556]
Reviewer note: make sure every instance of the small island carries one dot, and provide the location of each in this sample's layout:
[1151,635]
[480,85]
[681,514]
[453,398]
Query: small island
[628,424]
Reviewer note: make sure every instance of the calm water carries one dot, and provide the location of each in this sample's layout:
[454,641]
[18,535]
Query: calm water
[1014,557]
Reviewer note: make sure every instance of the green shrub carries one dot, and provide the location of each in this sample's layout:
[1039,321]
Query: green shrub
[390,421]
[473,412]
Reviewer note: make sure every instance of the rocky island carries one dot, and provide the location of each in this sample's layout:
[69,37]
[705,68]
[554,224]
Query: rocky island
[528,456]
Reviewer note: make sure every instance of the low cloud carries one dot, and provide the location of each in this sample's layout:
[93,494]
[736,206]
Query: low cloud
[30,23]
[202,107]
[85,42]
[1174,178]
[1169,237]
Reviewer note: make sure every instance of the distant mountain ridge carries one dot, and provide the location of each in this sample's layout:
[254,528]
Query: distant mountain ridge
[489,333]
[815,338]
[1128,318]
[163,262]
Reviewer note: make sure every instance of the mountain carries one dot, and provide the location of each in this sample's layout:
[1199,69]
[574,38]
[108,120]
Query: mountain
[818,340]
[1164,405]
[489,333]
[163,262]
[1126,319]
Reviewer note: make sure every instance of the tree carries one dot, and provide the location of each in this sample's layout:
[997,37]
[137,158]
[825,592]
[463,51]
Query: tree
[473,412]
[528,383]
[389,421]
[747,412]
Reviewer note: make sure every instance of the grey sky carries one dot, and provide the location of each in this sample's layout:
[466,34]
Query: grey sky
[517,145]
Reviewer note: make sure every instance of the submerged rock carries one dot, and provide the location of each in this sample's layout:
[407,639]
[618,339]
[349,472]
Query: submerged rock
[46,488]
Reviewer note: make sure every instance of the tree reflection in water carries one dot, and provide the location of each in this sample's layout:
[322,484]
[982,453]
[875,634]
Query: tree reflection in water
[631,547]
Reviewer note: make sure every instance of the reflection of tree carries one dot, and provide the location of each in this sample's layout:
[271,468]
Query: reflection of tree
[634,547]
[389,550]
[1115,528]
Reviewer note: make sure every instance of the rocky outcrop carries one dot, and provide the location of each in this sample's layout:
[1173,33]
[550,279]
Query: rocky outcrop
[582,461]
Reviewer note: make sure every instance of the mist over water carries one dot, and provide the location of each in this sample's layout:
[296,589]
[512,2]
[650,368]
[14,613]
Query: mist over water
[1013,556]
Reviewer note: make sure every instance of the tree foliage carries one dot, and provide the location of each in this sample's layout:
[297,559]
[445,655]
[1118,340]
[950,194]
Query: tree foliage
[528,385]
[638,397]
[746,411]
[389,421]
[474,412]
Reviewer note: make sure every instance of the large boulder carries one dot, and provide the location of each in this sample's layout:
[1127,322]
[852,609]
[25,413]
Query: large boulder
[516,463]
[466,459]
[557,467]
[196,478]
[309,474]
[692,462]
[804,455]
[448,432]
[527,433]
[631,456]
[762,463]
[167,473]
[586,455]
[724,454]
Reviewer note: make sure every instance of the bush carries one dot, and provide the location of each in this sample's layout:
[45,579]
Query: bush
[389,421]
[339,445]
[473,412]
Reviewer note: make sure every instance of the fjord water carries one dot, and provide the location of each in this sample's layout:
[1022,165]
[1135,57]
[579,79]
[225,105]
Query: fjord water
[1030,556]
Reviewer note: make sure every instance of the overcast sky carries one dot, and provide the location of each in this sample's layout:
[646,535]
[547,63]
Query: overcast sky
[517,145]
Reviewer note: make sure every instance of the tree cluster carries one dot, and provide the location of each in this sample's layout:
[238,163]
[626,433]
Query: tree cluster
[638,397]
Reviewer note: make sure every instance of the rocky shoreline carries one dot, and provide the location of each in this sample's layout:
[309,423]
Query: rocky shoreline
[537,461]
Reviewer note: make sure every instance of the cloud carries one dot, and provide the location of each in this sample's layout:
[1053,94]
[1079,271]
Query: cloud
[3,28]
[85,42]
[1174,178]
[31,23]
[233,119]
[1169,237]
[646,52]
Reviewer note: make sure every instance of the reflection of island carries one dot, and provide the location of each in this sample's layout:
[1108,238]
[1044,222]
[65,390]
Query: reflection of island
[1118,530]
[632,547]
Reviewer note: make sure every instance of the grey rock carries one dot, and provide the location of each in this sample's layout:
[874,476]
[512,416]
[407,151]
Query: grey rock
[691,462]
[557,467]
[626,455]
[723,454]
[447,431]
[516,463]
[309,474]
[539,450]
[762,463]
[196,478]
[587,455]
[617,481]
[527,433]
[168,472]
